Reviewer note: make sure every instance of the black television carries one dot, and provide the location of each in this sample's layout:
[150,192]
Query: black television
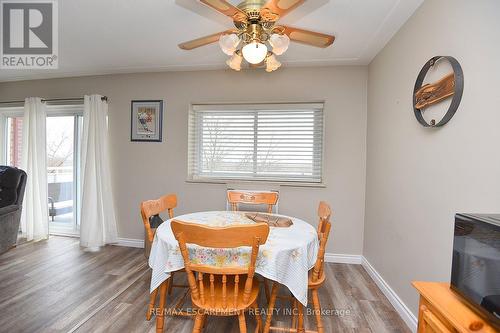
[475,273]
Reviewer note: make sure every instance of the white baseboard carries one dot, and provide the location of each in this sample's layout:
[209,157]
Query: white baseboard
[397,303]
[130,242]
[343,258]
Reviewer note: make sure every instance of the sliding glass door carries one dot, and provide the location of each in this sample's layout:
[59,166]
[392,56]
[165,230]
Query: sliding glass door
[64,126]
[63,142]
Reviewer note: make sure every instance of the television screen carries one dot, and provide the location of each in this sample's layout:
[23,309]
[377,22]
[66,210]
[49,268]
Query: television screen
[476,262]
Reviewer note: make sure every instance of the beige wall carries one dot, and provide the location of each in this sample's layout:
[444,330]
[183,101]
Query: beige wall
[418,178]
[146,170]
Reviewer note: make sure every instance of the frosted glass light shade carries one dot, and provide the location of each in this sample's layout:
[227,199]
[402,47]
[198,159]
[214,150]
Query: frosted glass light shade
[254,52]
[272,63]
[279,43]
[235,61]
[229,43]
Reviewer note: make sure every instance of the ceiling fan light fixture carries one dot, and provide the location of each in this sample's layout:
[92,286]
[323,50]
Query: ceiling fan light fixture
[254,52]
[228,43]
[257,36]
[272,63]
[235,61]
[279,43]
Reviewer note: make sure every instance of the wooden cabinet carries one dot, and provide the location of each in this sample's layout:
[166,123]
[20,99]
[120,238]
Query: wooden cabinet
[443,311]
[429,322]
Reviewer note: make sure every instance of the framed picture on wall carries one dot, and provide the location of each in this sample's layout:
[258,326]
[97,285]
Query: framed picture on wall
[146,122]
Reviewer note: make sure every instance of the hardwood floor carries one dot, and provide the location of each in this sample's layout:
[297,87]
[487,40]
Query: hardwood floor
[54,286]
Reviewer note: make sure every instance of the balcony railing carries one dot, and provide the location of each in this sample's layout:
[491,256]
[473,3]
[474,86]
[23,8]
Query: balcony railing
[61,174]
[61,191]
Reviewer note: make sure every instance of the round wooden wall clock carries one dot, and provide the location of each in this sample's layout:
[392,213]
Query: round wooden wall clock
[451,85]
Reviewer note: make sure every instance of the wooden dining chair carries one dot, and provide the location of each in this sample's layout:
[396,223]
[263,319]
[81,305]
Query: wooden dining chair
[150,208]
[316,280]
[222,291]
[252,198]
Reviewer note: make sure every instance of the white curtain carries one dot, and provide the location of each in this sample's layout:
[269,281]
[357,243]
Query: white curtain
[98,222]
[35,215]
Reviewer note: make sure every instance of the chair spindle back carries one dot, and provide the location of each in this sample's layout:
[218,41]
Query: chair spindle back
[252,198]
[324,226]
[202,276]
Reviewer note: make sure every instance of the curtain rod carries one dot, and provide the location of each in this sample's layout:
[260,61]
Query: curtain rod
[77,99]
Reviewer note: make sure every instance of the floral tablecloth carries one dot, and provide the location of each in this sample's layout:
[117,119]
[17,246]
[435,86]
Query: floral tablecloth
[286,257]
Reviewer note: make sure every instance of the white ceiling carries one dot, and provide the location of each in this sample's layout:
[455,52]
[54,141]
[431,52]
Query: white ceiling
[124,36]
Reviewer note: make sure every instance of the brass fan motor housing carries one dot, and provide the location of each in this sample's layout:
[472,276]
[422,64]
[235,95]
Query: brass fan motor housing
[259,22]
[253,15]
[255,32]
[251,5]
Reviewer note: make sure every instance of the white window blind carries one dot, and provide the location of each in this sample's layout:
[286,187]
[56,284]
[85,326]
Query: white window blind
[274,142]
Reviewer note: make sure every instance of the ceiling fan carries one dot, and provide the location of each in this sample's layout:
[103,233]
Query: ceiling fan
[256,25]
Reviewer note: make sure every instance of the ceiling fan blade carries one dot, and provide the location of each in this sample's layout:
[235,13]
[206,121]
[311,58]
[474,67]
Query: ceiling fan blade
[309,37]
[192,44]
[281,7]
[224,7]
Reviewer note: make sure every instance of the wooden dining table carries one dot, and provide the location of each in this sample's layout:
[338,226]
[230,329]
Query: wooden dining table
[286,257]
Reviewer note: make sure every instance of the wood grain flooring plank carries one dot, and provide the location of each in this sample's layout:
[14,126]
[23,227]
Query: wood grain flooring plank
[53,286]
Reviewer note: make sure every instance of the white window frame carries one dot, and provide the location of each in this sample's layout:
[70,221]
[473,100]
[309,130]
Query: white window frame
[7,112]
[69,110]
[192,146]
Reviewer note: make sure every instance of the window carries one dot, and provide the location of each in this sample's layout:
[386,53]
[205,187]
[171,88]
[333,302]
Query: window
[273,142]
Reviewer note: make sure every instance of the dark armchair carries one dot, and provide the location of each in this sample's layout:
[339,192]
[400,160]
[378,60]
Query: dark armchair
[12,184]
